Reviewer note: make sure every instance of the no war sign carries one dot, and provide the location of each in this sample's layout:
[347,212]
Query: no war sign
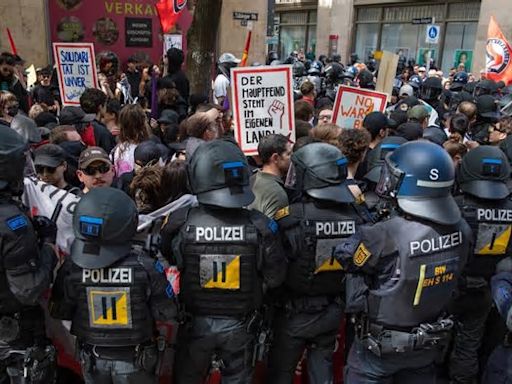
[262,104]
[353,104]
[76,69]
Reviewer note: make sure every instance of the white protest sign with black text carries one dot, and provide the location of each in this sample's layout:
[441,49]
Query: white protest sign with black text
[353,104]
[262,104]
[76,69]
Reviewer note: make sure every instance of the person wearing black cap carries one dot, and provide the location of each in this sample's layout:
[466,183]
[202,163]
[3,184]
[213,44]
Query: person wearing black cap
[403,271]
[486,206]
[43,93]
[27,257]
[95,170]
[488,114]
[115,295]
[410,131]
[50,164]
[229,257]
[313,297]
[378,125]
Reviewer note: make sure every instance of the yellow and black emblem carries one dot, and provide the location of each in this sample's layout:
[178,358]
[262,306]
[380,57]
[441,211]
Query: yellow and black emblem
[324,260]
[282,213]
[109,307]
[361,255]
[492,239]
[219,271]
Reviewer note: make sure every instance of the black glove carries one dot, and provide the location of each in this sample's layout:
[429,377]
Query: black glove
[45,228]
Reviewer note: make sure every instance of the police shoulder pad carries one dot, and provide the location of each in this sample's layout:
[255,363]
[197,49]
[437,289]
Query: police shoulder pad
[361,255]
[16,223]
[174,220]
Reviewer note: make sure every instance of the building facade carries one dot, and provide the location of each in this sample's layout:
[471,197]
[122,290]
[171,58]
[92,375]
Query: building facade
[313,26]
[400,26]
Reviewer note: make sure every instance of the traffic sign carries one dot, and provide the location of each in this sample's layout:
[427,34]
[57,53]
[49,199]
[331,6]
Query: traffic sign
[432,34]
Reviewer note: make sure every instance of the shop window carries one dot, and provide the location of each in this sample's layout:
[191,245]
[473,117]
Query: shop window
[297,31]
[366,39]
[404,39]
[368,14]
[406,14]
[294,18]
[464,11]
[292,39]
[459,47]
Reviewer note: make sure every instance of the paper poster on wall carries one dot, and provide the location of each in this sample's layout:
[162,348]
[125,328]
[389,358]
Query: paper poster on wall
[172,41]
[465,57]
[423,56]
[76,70]
[353,104]
[262,104]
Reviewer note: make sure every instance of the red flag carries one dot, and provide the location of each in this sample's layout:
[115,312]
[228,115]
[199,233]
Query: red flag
[11,41]
[498,55]
[169,12]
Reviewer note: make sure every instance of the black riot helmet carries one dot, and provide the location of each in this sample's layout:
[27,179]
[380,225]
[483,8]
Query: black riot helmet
[484,172]
[12,161]
[378,154]
[218,174]
[484,87]
[320,170]
[431,89]
[104,223]
[420,175]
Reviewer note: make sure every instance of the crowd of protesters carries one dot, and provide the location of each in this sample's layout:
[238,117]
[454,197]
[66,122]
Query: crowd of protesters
[114,139]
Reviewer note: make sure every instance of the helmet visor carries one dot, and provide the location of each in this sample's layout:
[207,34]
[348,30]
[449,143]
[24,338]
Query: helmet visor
[390,180]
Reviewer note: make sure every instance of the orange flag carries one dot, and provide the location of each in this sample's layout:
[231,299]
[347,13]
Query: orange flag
[498,55]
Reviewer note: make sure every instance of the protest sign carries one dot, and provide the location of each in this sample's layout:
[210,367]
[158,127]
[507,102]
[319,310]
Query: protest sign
[42,198]
[387,72]
[76,69]
[262,104]
[353,104]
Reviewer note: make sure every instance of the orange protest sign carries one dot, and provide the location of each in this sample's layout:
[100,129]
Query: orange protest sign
[353,104]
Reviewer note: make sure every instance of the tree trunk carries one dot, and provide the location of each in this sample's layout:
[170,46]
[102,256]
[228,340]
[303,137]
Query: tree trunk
[201,39]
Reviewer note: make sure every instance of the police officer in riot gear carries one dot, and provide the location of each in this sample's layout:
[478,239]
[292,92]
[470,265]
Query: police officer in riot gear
[313,306]
[228,258]
[114,293]
[498,365]
[28,259]
[486,206]
[405,269]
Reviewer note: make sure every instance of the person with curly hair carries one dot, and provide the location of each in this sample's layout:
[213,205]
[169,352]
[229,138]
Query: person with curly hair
[146,188]
[354,144]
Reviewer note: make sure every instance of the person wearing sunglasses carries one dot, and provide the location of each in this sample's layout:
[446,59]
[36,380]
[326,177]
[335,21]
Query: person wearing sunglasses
[95,169]
[50,164]
[43,93]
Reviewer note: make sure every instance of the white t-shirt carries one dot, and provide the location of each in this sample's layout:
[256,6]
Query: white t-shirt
[123,156]
[220,87]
